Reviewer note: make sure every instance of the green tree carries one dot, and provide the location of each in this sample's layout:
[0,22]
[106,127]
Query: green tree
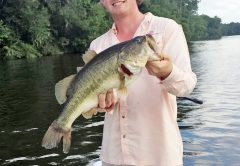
[213,27]
[13,48]
[84,21]
[31,28]
[75,23]
[197,28]
[230,29]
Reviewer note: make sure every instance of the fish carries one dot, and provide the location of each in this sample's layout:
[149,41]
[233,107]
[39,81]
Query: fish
[114,68]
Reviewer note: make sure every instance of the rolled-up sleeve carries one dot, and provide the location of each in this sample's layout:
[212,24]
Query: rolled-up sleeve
[181,80]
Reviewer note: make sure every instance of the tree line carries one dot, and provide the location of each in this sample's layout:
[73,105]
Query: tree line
[35,28]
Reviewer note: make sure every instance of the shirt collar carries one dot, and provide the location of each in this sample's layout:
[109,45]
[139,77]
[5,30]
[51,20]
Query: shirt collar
[144,24]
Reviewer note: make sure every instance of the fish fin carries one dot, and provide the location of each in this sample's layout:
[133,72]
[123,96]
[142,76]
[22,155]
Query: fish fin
[116,106]
[61,88]
[115,96]
[89,54]
[89,113]
[122,90]
[122,80]
[122,93]
[54,135]
[79,68]
[66,142]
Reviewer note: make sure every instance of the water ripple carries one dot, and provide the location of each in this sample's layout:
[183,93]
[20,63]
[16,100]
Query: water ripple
[29,158]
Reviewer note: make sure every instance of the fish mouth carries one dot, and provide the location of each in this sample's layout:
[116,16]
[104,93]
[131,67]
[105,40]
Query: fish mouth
[119,2]
[154,47]
[126,70]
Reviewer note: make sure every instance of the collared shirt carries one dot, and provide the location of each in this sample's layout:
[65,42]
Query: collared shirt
[144,130]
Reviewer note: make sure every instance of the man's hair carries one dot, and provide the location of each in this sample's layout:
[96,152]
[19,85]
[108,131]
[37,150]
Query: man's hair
[139,2]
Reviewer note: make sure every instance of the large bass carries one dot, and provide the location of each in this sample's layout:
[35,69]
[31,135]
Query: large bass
[115,68]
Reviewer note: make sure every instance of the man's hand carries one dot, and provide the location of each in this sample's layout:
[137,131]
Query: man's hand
[106,100]
[160,69]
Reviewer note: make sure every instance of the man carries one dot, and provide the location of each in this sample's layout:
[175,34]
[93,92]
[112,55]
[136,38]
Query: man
[144,130]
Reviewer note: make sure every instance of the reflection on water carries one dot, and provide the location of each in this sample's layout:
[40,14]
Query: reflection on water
[210,131]
[214,136]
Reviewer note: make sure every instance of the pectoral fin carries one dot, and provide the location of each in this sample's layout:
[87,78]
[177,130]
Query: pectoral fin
[122,93]
[122,90]
[89,113]
[61,88]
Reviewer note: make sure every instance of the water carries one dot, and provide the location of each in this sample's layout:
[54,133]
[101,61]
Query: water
[211,132]
[213,138]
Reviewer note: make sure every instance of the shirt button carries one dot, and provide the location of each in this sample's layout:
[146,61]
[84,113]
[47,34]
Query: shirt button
[123,116]
[124,136]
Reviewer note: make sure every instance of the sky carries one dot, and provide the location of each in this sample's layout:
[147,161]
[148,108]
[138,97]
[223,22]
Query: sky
[227,10]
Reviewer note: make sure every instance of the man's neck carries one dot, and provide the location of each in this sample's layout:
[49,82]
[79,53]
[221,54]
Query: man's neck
[128,25]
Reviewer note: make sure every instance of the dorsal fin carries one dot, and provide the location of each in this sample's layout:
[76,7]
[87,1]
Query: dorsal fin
[89,54]
[61,88]
[79,68]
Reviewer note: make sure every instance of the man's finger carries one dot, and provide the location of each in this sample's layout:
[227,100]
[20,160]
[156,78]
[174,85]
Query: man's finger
[109,98]
[101,100]
[110,108]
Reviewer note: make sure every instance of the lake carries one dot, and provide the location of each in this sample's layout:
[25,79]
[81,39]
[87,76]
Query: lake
[211,131]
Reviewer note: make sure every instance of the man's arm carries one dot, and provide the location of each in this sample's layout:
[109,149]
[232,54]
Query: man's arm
[174,70]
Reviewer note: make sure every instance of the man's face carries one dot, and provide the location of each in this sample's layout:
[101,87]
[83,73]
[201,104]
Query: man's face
[119,7]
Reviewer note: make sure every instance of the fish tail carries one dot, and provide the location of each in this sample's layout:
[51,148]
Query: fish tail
[66,142]
[54,135]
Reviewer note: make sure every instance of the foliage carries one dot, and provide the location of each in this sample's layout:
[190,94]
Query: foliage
[197,28]
[230,29]
[185,12]
[84,21]
[213,27]
[20,50]
[6,35]
[32,28]
[13,48]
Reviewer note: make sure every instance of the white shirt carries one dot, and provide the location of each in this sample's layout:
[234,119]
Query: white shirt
[144,130]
